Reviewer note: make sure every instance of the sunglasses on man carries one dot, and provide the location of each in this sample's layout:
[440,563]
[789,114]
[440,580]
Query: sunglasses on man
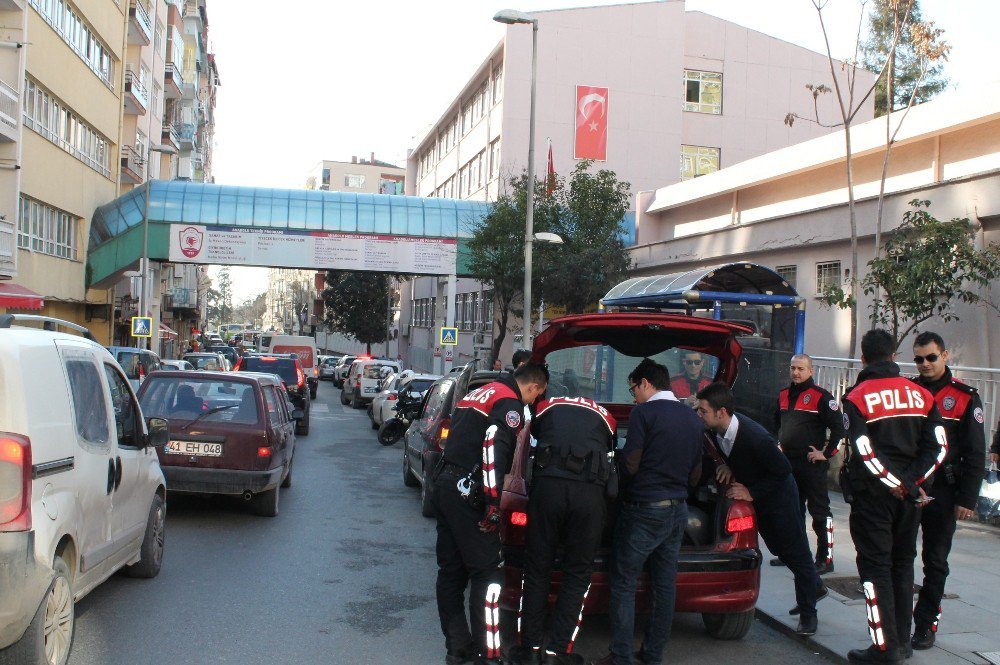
[930,357]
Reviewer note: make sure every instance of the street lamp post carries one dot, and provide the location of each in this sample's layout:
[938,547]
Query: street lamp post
[144,283]
[512,17]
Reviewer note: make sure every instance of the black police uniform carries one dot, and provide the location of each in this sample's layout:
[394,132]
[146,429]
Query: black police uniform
[481,442]
[805,413]
[897,440]
[956,483]
[566,508]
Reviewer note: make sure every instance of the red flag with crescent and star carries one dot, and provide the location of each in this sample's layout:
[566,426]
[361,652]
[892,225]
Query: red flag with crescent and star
[550,173]
[591,123]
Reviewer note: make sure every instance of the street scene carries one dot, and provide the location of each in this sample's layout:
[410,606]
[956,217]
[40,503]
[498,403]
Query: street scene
[573,333]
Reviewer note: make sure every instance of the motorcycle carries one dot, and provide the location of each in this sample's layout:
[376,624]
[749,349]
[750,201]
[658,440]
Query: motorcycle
[407,407]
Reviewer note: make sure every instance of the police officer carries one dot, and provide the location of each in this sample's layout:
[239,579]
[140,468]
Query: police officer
[897,441]
[805,413]
[688,384]
[955,486]
[466,500]
[566,509]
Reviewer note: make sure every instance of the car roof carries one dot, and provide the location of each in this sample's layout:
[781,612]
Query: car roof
[200,354]
[225,377]
[422,377]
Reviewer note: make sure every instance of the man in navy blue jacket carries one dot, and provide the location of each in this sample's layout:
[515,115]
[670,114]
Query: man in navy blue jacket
[758,471]
[660,459]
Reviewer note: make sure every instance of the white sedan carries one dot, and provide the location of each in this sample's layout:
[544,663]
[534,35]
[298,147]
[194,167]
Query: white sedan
[385,400]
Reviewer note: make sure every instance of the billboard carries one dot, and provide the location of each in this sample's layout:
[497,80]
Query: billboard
[591,123]
[319,250]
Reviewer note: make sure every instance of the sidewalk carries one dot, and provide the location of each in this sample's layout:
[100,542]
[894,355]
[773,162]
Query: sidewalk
[970,620]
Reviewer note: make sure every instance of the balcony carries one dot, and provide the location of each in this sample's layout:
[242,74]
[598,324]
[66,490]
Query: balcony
[9,106]
[140,30]
[136,95]
[170,136]
[133,165]
[173,82]
[187,132]
[181,299]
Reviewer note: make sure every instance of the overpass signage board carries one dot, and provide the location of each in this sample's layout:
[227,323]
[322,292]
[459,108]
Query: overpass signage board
[320,250]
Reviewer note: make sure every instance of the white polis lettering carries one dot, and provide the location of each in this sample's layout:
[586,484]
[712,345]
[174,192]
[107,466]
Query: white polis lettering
[894,399]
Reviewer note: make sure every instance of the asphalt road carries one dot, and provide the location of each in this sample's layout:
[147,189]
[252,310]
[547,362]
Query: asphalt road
[344,575]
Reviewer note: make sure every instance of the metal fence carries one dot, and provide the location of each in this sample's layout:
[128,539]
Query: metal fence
[839,374]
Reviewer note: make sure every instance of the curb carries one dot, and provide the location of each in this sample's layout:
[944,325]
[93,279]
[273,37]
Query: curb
[810,642]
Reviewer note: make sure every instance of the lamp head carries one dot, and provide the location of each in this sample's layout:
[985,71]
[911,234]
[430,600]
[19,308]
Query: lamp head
[544,237]
[512,16]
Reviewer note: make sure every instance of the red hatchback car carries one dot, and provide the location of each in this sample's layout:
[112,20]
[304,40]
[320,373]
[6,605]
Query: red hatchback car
[591,355]
[229,434]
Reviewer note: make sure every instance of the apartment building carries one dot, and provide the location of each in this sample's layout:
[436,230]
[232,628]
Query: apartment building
[371,176]
[677,94]
[13,30]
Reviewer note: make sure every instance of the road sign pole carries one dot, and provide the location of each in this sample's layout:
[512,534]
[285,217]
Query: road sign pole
[450,314]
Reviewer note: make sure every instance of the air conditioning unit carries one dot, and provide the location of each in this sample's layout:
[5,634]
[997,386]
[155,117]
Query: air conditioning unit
[404,329]
[479,338]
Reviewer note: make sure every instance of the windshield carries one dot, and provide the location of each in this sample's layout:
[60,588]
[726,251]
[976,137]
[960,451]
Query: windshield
[601,373]
[212,399]
[374,371]
[417,385]
[208,363]
[283,367]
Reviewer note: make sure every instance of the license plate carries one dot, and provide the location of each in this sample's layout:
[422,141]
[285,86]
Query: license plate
[371,390]
[196,448]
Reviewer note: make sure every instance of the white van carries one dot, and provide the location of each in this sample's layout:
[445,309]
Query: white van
[301,345]
[81,490]
[364,380]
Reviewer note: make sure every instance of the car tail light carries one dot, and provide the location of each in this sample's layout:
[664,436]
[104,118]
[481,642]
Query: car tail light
[315,371]
[15,482]
[519,519]
[737,524]
[300,375]
[441,436]
[392,397]
[741,523]
[264,452]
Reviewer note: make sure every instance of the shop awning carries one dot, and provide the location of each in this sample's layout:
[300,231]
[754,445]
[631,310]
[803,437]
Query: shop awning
[165,331]
[18,297]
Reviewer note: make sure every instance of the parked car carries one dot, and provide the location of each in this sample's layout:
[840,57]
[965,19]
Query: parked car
[230,434]
[363,381]
[327,367]
[210,361]
[301,345]
[136,363]
[385,400]
[719,566]
[81,490]
[343,367]
[227,352]
[288,367]
[425,439]
[176,365]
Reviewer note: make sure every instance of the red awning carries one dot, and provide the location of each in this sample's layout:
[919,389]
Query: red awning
[167,332]
[18,297]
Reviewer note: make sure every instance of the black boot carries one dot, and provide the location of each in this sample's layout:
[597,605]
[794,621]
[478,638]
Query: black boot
[822,567]
[873,655]
[525,655]
[923,638]
[459,656]
[807,626]
[562,659]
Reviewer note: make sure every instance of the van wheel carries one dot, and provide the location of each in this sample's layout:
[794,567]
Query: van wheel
[312,392]
[265,504]
[49,636]
[343,398]
[302,427]
[728,626]
[409,479]
[287,482]
[151,551]
[426,509]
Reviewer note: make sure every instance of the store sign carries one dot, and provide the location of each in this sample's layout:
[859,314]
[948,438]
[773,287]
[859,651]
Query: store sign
[312,249]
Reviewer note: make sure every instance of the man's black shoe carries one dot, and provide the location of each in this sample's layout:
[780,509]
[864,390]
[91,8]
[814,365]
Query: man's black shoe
[562,659]
[807,626]
[525,655]
[820,595]
[460,656]
[873,655]
[822,567]
[906,651]
[923,638]
[776,562]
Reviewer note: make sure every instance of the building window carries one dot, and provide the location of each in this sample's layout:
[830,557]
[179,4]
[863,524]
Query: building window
[354,181]
[52,119]
[486,309]
[326,176]
[698,160]
[66,21]
[498,84]
[827,276]
[789,274]
[47,230]
[703,92]
[494,159]
[466,118]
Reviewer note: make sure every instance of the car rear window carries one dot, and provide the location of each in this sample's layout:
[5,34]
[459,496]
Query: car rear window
[212,399]
[129,362]
[374,371]
[208,363]
[283,367]
[418,385]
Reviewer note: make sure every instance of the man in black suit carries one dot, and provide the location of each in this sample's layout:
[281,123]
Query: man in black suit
[757,471]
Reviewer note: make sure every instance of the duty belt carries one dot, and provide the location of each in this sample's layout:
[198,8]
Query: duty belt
[454,469]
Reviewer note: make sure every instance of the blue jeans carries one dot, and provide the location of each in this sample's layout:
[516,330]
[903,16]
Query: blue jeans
[642,533]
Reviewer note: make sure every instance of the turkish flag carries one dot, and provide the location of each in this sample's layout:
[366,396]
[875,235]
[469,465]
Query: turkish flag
[591,123]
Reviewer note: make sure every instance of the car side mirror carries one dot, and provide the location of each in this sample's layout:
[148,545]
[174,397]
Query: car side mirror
[298,414]
[158,432]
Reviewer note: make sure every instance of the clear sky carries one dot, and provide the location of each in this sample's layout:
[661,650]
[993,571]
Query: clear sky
[306,80]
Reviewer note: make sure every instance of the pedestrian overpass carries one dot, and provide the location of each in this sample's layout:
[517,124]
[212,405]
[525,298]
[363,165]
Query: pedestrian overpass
[193,222]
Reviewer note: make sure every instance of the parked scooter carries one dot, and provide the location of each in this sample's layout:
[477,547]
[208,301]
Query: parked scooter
[407,407]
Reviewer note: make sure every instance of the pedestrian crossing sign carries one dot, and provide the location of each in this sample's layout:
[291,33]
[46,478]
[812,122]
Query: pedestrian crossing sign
[142,326]
[449,336]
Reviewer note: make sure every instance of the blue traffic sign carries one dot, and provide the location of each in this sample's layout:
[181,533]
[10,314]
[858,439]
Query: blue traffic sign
[449,336]
[142,326]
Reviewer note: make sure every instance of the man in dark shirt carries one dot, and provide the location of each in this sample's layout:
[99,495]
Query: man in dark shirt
[660,459]
[763,475]
[805,413]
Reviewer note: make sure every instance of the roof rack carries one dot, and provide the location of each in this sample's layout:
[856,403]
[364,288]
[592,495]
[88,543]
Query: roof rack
[48,323]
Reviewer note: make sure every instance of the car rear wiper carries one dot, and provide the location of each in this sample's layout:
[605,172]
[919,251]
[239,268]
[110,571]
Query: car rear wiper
[208,413]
